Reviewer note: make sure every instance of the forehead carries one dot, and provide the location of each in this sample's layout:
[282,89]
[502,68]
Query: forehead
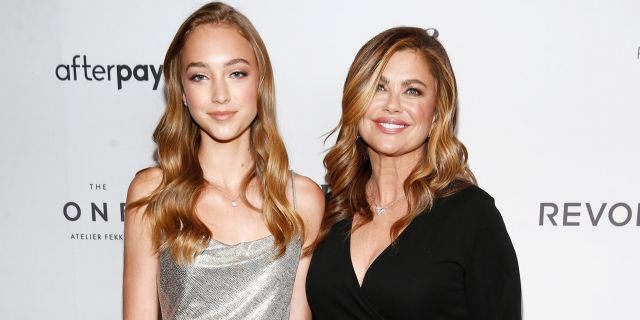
[216,43]
[407,64]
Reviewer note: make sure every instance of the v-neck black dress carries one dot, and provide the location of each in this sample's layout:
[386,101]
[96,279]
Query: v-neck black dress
[454,262]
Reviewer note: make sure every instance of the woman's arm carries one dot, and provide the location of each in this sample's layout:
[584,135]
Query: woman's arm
[140,297]
[492,278]
[310,206]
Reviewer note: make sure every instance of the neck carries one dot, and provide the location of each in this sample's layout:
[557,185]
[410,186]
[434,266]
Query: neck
[389,174]
[225,163]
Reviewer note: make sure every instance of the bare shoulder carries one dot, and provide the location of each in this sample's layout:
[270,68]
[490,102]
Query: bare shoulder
[310,205]
[144,182]
[308,193]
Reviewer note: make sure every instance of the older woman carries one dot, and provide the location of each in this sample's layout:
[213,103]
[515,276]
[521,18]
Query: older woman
[407,233]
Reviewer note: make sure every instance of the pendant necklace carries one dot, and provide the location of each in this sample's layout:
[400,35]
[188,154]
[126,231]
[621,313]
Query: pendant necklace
[380,209]
[232,200]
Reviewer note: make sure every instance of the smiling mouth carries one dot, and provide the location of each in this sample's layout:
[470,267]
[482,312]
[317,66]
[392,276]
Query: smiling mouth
[387,125]
[390,126]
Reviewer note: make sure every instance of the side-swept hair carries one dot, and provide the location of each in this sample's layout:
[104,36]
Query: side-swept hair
[171,207]
[443,168]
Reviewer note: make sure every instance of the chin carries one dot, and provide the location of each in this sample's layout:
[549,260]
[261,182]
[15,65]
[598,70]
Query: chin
[216,135]
[387,151]
[395,150]
[228,135]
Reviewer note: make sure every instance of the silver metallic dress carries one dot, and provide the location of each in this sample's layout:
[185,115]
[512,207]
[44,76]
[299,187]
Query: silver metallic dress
[225,282]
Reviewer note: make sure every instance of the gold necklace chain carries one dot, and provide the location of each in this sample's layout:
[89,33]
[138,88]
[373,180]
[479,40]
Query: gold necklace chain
[233,200]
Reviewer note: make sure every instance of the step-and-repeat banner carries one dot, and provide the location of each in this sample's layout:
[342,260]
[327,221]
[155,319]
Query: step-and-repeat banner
[549,109]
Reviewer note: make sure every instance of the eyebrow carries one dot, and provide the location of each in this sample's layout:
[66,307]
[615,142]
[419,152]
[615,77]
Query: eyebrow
[404,83]
[196,65]
[236,61]
[412,81]
[226,64]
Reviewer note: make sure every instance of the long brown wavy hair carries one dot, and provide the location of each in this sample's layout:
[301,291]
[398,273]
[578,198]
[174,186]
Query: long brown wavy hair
[443,168]
[171,207]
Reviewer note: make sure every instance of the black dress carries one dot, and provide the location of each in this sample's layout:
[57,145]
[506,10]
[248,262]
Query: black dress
[454,262]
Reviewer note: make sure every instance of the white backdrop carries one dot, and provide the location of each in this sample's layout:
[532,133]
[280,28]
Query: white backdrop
[550,101]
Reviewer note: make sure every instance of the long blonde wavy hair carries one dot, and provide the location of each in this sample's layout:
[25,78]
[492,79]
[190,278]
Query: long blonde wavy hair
[171,207]
[443,168]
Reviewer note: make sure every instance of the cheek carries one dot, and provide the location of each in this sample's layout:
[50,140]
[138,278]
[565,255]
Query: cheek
[366,122]
[246,91]
[379,100]
[195,95]
[194,111]
[369,114]
[422,113]
[361,125]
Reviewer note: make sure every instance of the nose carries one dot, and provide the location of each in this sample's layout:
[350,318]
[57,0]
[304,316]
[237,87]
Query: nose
[220,92]
[393,103]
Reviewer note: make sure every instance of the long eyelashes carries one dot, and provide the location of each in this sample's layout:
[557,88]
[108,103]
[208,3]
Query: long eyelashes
[198,77]
[409,91]
[234,75]
[413,92]
[237,75]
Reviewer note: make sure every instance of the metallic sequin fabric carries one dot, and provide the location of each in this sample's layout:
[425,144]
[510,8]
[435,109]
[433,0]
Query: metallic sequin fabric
[225,282]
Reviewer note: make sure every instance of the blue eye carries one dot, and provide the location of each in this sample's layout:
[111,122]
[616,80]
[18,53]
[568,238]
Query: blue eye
[380,88]
[238,75]
[198,77]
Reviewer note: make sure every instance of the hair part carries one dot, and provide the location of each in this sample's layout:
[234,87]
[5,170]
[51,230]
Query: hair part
[443,168]
[171,207]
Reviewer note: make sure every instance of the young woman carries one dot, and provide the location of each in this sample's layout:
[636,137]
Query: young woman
[407,234]
[216,231]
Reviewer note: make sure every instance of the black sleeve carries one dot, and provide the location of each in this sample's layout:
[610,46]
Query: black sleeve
[492,279]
